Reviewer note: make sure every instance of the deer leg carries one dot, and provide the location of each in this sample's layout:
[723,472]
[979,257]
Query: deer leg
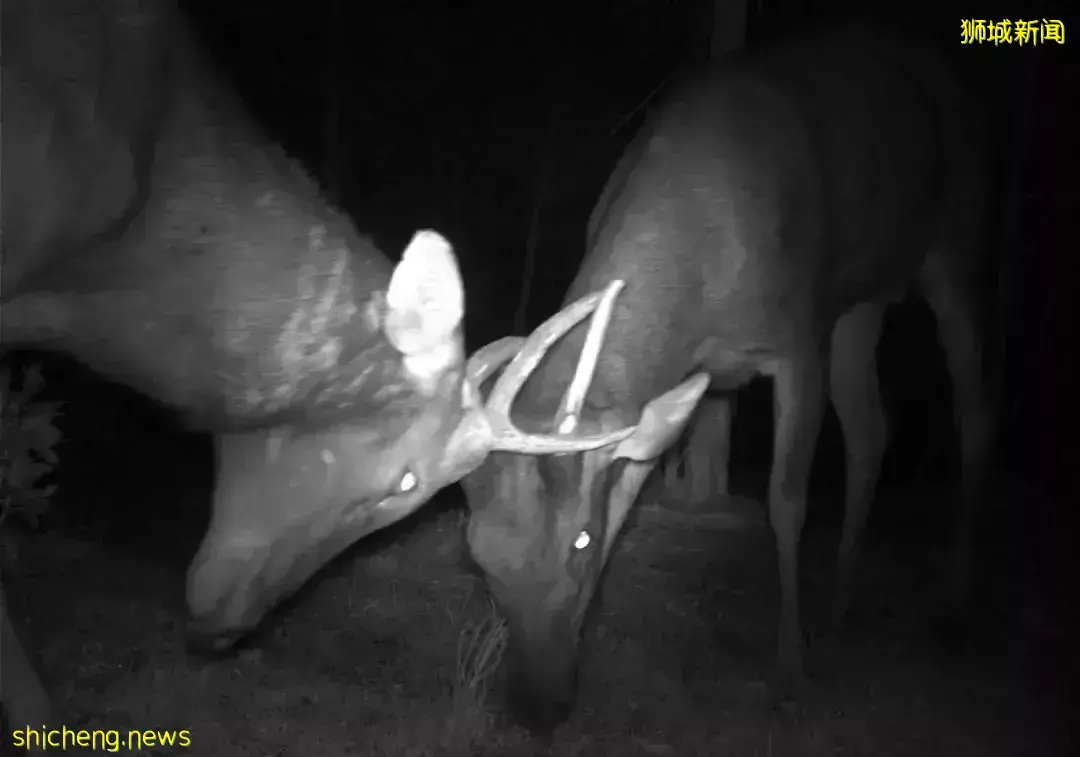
[798,406]
[709,448]
[21,692]
[947,295]
[857,398]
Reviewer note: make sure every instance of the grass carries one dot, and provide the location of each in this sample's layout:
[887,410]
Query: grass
[395,650]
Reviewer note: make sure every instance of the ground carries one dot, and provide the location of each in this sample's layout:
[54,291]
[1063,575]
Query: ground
[374,656]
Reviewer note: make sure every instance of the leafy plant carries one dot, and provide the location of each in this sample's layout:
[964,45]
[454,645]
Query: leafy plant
[28,440]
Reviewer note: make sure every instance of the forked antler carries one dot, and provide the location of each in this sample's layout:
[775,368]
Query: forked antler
[526,355]
[566,419]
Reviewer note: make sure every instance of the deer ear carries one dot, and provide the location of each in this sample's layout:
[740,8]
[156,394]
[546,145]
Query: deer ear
[663,419]
[424,307]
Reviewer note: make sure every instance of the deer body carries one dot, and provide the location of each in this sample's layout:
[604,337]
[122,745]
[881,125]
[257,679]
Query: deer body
[763,218]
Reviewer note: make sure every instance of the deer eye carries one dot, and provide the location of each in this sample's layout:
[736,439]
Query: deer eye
[583,540]
[408,482]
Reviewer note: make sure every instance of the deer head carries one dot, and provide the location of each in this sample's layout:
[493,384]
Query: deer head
[542,527]
[289,499]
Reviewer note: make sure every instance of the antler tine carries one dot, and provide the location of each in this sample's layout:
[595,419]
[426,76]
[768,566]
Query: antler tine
[570,408]
[483,363]
[487,359]
[537,345]
[509,438]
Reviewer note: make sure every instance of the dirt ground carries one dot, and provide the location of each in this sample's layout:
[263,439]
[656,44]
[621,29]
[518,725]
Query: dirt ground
[374,656]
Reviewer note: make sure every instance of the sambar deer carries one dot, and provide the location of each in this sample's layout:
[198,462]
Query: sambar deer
[763,218]
[152,232]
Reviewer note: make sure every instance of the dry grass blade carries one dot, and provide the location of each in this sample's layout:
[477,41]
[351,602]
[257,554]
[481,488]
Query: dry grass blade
[480,650]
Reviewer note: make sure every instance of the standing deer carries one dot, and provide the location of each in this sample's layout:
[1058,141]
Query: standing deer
[763,218]
[154,234]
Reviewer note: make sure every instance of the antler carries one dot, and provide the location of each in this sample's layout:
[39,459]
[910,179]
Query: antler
[566,419]
[527,354]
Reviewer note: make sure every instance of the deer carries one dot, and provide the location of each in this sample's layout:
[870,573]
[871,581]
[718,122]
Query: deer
[772,206]
[155,235]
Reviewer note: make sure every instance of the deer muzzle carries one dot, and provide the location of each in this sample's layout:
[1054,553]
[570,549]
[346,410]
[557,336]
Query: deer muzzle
[543,686]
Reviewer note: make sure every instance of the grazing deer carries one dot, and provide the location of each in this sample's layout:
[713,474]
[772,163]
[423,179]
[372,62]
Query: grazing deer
[154,234]
[762,219]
